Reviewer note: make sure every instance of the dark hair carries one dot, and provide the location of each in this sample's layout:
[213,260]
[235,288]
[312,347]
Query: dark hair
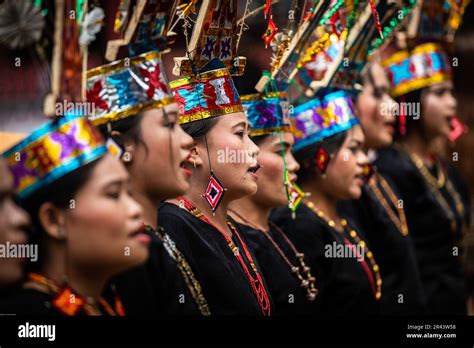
[129,129]
[199,129]
[306,156]
[411,125]
[60,192]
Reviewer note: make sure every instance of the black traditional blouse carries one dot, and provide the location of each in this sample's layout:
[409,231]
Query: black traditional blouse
[225,284]
[56,302]
[436,235]
[28,302]
[344,285]
[163,286]
[287,292]
[392,246]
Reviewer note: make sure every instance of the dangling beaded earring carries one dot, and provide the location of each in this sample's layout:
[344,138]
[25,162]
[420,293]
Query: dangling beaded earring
[215,190]
[294,194]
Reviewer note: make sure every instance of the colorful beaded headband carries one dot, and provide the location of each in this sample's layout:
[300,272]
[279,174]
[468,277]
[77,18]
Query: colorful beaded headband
[267,113]
[208,94]
[126,87]
[52,151]
[424,66]
[321,118]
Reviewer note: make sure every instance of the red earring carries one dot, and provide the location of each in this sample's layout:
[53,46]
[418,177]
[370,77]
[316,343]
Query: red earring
[322,159]
[214,192]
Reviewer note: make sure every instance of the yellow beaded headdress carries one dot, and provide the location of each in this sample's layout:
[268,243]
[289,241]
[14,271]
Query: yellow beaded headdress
[429,33]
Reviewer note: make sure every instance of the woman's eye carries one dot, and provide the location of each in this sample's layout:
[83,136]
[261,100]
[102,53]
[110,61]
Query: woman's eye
[240,133]
[279,153]
[440,91]
[113,194]
[354,149]
[170,125]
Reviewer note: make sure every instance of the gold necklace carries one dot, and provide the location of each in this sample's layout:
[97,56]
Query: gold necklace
[188,275]
[434,186]
[399,221]
[437,181]
[377,289]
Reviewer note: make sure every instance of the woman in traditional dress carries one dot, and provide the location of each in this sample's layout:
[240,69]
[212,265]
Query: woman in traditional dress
[330,153]
[85,222]
[14,224]
[379,211]
[434,196]
[289,278]
[146,136]
[224,169]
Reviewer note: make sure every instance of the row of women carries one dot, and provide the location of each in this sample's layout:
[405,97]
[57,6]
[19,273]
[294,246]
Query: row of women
[146,208]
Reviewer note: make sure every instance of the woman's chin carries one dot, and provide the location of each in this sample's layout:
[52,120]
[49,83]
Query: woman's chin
[249,189]
[178,188]
[355,192]
[181,188]
[138,254]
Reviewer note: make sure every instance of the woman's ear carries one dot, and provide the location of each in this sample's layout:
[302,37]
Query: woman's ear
[52,220]
[196,155]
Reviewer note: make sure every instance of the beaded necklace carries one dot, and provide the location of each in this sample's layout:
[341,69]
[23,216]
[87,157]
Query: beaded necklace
[255,280]
[188,275]
[399,221]
[435,184]
[306,282]
[62,300]
[375,285]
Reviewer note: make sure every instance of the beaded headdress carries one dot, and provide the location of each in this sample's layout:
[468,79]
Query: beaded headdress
[136,82]
[52,151]
[210,93]
[206,89]
[428,33]
[321,118]
[267,113]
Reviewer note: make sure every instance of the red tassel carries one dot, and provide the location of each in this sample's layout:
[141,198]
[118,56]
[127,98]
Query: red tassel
[267,10]
[402,122]
[376,18]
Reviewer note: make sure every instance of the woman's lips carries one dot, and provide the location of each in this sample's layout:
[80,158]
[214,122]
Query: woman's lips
[141,237]
[183,165]
[390,127]
[449,120]
[253,171]
[360,180]
[188,172]
[254,176]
